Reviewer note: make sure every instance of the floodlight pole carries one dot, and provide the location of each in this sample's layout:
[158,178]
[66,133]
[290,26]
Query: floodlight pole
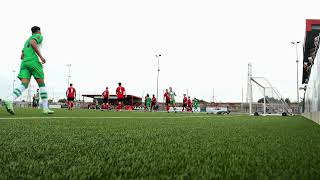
[212,95]
[158,59]
[297,61]
[249,88]
[69,73]
[241,107]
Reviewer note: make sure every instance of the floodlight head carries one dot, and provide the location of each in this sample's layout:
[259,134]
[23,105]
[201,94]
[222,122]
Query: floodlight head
[295,42]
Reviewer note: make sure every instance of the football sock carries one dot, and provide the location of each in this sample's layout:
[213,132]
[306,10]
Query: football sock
[17,92]
[44,96]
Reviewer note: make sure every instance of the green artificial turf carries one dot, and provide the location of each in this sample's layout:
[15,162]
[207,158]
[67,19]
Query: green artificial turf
[156,146]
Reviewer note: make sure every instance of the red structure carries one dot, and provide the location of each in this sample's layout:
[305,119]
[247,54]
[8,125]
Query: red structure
[130,100]
[309,47]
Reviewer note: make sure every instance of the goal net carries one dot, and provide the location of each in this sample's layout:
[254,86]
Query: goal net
[263,98]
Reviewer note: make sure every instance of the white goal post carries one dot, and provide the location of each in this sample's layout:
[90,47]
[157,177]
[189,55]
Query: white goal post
[273,103]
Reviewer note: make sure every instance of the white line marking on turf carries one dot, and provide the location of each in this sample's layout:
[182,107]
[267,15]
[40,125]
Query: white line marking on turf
[117,117]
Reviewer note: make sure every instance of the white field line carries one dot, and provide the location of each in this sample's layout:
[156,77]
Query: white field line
[109,117]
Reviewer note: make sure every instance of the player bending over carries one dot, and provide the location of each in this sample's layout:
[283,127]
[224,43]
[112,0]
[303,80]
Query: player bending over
[31,66]
[71,95]
[167,100]
[121,93]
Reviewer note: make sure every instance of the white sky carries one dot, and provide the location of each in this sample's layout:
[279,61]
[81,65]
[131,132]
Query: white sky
[204,44]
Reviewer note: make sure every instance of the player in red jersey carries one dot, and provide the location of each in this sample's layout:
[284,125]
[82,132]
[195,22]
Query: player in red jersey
[105,96]
[189,104]
[105,107]
[71,95]
[184,103]
[121,93]
[153,103]
[167,100]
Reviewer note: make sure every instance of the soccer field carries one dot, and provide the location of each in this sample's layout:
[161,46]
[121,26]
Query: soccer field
[108,145]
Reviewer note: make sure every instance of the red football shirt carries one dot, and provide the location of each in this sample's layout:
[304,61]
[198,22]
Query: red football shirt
[167,96]
[189,102]
[120,92]
[154,100]
[105,94]
[185,100]
[71,92]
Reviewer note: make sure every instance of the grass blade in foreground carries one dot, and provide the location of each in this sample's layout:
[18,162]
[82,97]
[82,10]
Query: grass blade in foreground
[162,146]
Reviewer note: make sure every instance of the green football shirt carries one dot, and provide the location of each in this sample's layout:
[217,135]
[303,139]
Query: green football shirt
[172,95]
[148,100]
[28,51]
[195,102]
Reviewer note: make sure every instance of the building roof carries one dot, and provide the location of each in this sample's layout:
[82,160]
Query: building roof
[312,30]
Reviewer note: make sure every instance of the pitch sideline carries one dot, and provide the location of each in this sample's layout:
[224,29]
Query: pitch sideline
[110,117]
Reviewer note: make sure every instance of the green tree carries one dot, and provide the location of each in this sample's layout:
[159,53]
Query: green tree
[62,100]
[261,100]
[287,100]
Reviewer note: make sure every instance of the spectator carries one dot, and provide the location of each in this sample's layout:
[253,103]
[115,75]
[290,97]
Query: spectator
[34,101]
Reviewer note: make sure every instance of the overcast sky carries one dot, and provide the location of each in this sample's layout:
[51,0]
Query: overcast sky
[204,44]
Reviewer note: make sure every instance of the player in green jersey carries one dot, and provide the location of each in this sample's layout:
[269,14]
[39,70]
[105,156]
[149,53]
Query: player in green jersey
[195,104]
[172,99]
[148,102]
[31,66]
